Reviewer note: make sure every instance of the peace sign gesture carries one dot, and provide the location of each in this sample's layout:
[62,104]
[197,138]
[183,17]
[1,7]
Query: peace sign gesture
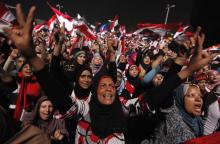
[21,36]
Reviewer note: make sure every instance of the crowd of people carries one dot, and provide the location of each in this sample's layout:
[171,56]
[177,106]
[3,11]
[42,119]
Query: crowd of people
[54,91]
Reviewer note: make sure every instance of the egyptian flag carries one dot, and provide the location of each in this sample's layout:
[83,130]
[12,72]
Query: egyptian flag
[6,17]
[160,29]
[5,14]
[52,22]
[40,26]
[214,49]
[113,24]
[64,18]
[86,31]
[180,31]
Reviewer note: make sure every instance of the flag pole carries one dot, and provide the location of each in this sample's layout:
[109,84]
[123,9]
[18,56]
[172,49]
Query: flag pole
[9,6]
[168,11]
[59,6]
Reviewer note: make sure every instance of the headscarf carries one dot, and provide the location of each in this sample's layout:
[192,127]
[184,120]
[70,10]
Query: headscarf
[96,68]
[195,123]
[80,92]
[122,84]
[132,80]
[146,67]
[105,119]
[49,126]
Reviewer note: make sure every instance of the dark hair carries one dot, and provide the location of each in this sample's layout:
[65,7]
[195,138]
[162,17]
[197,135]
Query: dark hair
[177,48]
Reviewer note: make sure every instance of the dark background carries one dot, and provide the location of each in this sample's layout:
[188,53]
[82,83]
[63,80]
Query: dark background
[131,12]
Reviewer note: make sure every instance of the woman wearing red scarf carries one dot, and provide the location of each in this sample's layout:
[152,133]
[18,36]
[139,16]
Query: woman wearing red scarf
[29,90]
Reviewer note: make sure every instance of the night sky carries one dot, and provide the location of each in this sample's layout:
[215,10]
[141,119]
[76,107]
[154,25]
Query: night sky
[130,11]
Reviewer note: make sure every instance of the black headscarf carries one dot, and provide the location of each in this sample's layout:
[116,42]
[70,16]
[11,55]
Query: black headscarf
[80,92]
[105,119]
[132,80]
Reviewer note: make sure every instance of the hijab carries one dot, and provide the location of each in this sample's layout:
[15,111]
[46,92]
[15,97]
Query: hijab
[49,126]
[96,68]
[195,123]
[80,92]
[105,119]
[132,80]
[122,84]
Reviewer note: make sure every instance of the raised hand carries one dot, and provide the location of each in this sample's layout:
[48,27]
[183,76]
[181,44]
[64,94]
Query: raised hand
[59,35]
[14,54]
[58,135]
[21,36]
[198,59]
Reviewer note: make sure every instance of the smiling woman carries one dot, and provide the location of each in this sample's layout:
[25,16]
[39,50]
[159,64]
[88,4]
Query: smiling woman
[43,117]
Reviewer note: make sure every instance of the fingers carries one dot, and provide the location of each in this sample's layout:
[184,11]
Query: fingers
[63,29]
[10,34]
[29,22]
[20,15]
[198,30]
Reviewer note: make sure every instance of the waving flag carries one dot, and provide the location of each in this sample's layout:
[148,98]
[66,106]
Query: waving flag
[183,36]
[64,18]
[160,29]
[114,23]
[40,27]
[6,18]
[86,31]
[103,27]
[180,31]
[4,24]
[51,22]
[5,14]
[214,49]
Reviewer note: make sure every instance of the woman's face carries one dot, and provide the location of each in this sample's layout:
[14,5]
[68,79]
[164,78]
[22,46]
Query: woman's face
[157,80]
[81,59]
[193,101]
[98,61]
[26,70]
[85,79]
[202,84]
[133,71]
[147,60]
[119,78]
[20,61]
[46,110]
[213,77]
[122,59]
[106,91]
